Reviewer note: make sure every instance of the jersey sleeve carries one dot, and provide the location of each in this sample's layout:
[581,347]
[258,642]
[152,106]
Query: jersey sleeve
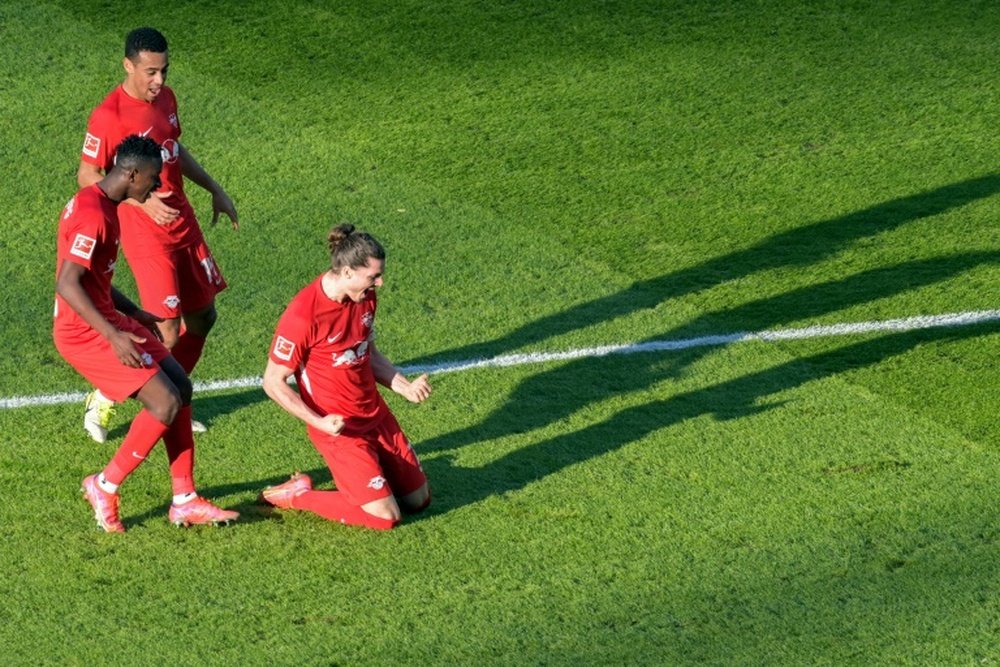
[83,230]
[291,338]
[99,144]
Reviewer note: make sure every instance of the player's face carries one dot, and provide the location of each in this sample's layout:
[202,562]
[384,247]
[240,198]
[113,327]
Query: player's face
[144,181]
[363,279]
[144,76]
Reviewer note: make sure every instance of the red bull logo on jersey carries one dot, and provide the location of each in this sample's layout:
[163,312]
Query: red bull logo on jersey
[351,356]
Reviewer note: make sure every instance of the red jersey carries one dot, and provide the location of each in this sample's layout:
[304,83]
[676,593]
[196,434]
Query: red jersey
[88,236]
[118,116]
[328,344]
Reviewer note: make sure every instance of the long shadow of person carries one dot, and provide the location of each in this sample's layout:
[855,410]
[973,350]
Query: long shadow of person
[798,247]
[801,246]
[745,395]
[529,407]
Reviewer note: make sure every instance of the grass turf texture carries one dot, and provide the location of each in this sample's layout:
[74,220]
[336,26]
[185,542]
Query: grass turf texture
[546,177]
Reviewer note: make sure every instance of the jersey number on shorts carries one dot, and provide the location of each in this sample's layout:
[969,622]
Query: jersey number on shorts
[211,271]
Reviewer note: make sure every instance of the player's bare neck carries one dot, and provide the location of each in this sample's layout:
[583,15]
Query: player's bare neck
[131,93]
[331,289]
[134,93]
[110,190]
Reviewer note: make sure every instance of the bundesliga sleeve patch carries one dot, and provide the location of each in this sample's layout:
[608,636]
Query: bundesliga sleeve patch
[91,145]
[83,246]
[283,348]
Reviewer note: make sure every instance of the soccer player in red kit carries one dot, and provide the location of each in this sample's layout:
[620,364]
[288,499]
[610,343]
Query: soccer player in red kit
[326,338]
[174,270]
[104,336]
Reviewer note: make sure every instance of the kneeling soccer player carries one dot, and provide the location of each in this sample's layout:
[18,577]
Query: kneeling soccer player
[326,337]
[104,336]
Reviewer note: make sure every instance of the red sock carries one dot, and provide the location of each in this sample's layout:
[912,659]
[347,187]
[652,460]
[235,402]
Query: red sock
[142,436]
[180,452]
[333,506]
[187,350]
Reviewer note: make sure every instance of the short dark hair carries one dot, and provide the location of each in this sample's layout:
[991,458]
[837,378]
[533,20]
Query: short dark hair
[351,248]
[144,39]
[135,150]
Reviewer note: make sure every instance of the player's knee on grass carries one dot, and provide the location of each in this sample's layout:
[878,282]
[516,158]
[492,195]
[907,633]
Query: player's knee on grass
[384,508]
[416,501]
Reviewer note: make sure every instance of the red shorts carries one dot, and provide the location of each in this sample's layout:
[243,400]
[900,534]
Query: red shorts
[376,465]
[93,357]
[185,280]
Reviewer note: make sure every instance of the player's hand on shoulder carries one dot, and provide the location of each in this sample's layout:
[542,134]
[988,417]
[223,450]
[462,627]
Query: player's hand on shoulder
[331,424]
[158,210]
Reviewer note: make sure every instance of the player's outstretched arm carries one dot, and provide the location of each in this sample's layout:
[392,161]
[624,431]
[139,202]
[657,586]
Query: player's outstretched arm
[70,287]
[276,387]
[386,374]
[221,202]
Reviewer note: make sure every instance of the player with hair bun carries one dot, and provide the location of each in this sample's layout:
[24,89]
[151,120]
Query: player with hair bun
[326,339]
[109,340]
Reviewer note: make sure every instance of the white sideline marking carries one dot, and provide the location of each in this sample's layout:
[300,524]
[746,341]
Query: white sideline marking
[845,329]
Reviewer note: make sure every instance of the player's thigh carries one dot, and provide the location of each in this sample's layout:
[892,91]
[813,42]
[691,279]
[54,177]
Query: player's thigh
[159,286]
[400,464]
[354,464]
[95,359]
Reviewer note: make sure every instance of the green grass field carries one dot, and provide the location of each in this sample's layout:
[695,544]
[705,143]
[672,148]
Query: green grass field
[546,177]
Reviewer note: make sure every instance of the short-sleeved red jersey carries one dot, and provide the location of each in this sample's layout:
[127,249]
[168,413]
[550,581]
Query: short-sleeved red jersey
[88,236]
[328,344]
[119,116]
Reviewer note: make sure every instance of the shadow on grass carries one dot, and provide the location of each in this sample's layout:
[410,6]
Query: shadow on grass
[551,395]
[206,407]
[801,246]
[554,394]
[454,487]
[250,511]
[740,397]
